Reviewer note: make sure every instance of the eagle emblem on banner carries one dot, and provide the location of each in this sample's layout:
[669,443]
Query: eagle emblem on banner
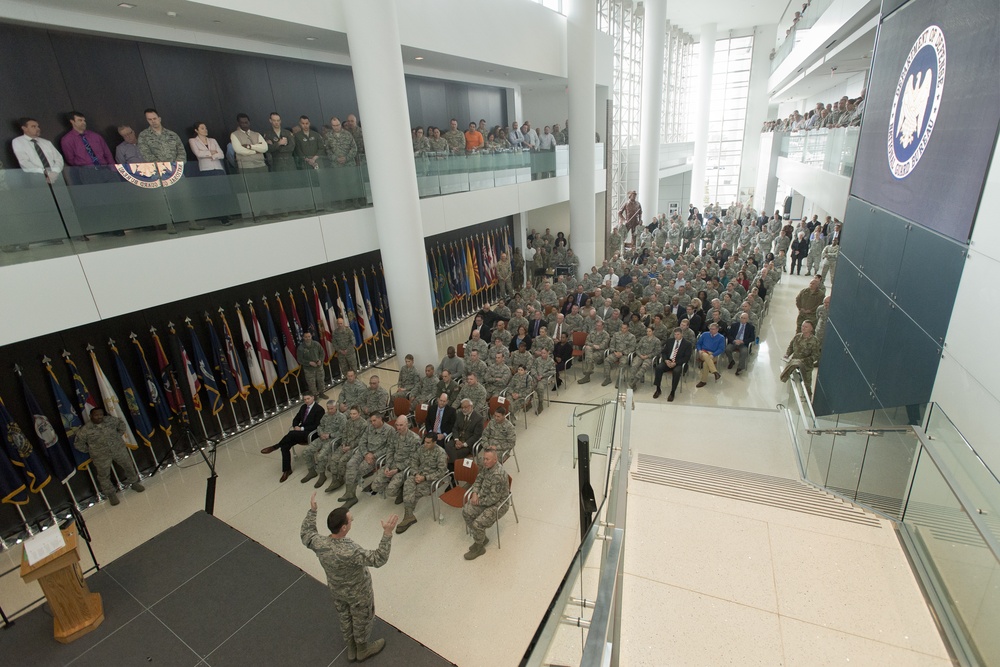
[916,102]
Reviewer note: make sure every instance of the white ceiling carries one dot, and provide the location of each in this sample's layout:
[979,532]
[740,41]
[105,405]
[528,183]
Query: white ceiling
[726,14]
[834,69]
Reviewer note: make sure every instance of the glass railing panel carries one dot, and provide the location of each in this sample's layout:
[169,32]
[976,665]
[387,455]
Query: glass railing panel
[959,561]
[888,464]
[97,200]
[30,214]
[846,459]
[338,187]
[201,199]
[971,473]
[279,193]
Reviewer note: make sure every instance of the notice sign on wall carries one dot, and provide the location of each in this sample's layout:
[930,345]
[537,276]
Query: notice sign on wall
[931,113]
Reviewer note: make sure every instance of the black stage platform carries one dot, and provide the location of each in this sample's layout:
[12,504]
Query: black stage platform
[202,593]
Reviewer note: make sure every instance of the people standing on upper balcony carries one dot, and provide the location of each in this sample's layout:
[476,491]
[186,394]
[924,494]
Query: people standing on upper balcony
[308,145]
[515,137]
[455,137]
[210,155]
[280,144]
[157,143]
[530,136]
[473,139]
[340,145]
[438,143]
[127,152]
[82,147]
[351,125]
[35,154]
[248,145]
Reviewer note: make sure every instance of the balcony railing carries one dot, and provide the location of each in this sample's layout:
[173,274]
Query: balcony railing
[785,42]
[158,199]
[830,150]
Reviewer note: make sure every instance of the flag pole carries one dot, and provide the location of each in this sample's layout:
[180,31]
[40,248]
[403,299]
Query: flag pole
[222,431]
[156,463]
[90,473]
[121,487]
[24,520]
[45,500]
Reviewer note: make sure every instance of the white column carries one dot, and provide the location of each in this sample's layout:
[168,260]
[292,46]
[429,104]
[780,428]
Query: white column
[706,63]
[760,69]
[581,29]
[653,37]
[373,39]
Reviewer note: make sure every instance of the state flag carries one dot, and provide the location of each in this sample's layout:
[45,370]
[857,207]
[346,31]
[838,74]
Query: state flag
[221,362]
[69,417]
[199,373]
[156,400]
[168,380]
[110,400]
[143,426]
[84,400]
[12,487]
[350,314]
[369,308]
[323,335]
[362,312]
[275,345]
[236,367]
[52,449]
[289,345]
[22,455]
[253,363]
[263,351]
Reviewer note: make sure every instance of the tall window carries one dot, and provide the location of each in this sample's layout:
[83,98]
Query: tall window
[726,119]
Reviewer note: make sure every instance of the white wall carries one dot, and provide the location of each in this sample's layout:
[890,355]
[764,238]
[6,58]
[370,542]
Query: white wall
[827,189]
[967,386]
[757,104]
[544,106]
[675,188]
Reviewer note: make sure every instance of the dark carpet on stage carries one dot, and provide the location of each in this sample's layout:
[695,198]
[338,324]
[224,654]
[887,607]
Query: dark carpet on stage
[203,593]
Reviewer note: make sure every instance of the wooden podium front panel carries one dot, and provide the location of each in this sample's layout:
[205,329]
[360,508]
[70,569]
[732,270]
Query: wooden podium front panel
[75,610]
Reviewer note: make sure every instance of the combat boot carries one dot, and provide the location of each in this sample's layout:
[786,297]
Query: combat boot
[321,481]
[335,484]
[349,493]
[352,649]
[585,379]
[309,476]
[368,649]
[408,520]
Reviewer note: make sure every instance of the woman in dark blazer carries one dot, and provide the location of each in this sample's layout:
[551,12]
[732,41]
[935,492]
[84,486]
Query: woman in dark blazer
[518,338]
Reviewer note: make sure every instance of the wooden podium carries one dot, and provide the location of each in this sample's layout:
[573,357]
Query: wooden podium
[75,610]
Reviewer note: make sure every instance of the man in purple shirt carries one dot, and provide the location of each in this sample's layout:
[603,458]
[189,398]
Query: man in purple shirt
[87,152]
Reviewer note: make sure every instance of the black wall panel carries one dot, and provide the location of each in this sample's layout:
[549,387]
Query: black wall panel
[928,274]
[31,81]
[45,74]
[104,78]
[183,87]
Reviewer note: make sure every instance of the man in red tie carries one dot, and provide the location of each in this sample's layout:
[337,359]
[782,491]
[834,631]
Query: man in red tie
[673,356]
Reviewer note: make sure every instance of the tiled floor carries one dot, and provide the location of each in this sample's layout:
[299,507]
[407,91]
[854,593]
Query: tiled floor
[714,587]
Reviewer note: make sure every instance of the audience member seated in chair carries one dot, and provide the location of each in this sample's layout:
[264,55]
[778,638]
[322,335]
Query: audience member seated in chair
[403,447]
[499,435]
[440,417]
[711,346]
[371,447]
[317,454]
[467,431]
[673,356]
[487,502]
[740,337]
[428,466]
[305,422]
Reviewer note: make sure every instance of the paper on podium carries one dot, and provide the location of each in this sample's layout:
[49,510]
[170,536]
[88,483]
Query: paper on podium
[42,545]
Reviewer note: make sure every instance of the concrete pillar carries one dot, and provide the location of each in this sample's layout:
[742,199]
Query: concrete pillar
[373,39]
[653,38]
[706,63]
[581,29]
[757,109]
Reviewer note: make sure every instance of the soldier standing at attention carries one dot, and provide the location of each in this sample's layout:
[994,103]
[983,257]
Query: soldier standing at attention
[346,565]
[343,345]
[310,357]
[102,438]
[504,274]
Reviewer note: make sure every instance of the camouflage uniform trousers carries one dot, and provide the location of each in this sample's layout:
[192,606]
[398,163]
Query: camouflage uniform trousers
[479,518]
[103,458]
[805,367]
[412,492]
[356,615]
[317,454]
[613,363]
[639,368]
[315,379]
[357,468]
[590,358]
[347,360]
[336,466]
[393,485]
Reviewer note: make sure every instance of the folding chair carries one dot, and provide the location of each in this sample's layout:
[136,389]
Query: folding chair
[420,414]
[579,340]
[400,406]
[464,471]
[460,350]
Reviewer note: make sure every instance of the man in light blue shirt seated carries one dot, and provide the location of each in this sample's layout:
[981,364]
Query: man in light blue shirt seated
[711,345]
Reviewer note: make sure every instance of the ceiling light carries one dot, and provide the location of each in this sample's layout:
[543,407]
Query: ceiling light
[310,39]
[172,14]
[489,70]
[125,5]
[418,58]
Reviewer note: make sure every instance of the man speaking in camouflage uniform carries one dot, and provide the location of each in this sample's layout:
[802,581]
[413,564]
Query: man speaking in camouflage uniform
[346,565]
[102,438]
[487,502]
